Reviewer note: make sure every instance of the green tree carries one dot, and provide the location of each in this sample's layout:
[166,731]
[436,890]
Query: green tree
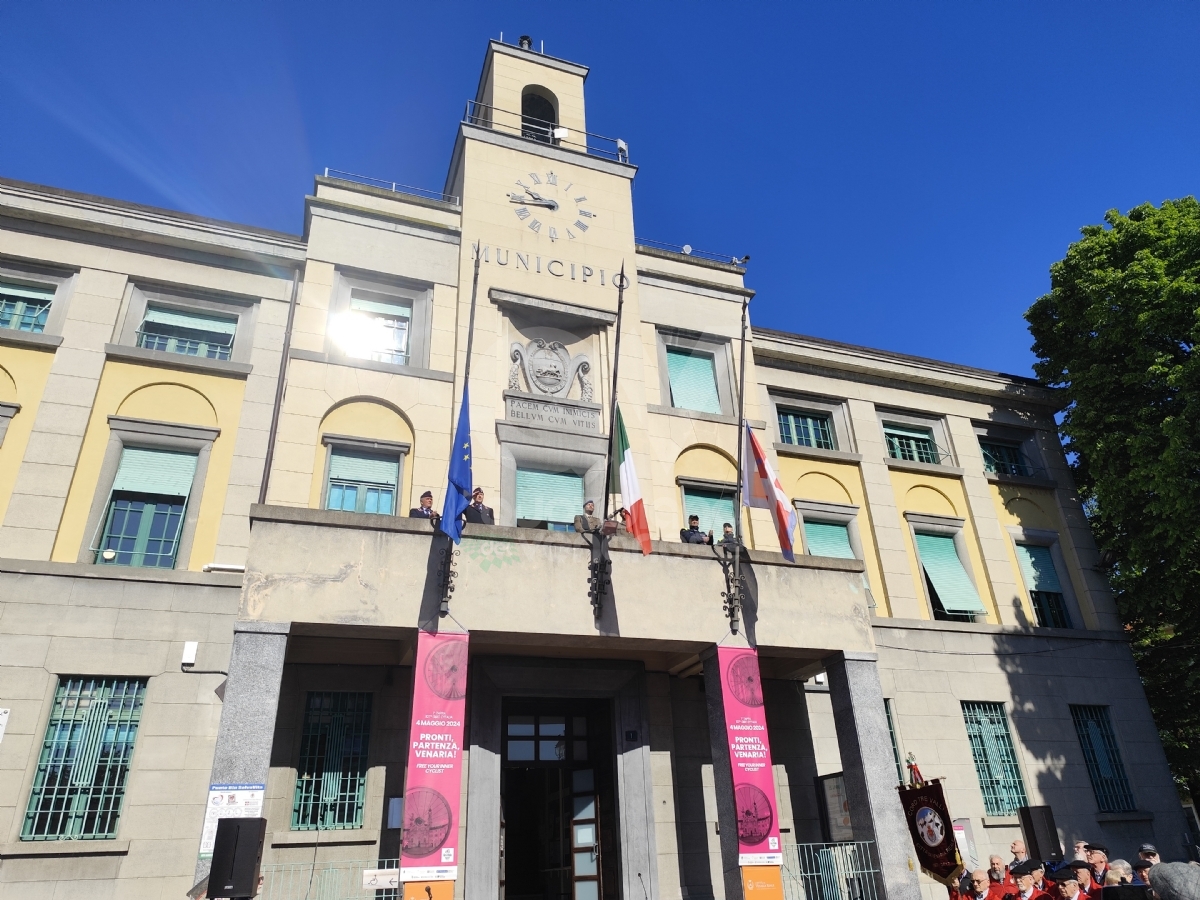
[1117,334]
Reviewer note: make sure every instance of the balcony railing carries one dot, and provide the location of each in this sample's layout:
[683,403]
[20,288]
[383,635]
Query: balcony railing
[394,186]
[352,879]
[545,132]
[830,871]
[689,250]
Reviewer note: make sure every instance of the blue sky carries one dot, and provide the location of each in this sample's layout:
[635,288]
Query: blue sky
[902,174]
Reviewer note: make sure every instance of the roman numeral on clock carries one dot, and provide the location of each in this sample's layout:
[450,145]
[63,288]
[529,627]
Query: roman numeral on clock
[534,177]
[584,212]
[522,212]
[551,178]
[535,226]
[582,226]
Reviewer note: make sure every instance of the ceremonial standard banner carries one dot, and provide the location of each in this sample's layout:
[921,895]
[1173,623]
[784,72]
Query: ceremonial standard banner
[932,832]
[433,780]
[749,758]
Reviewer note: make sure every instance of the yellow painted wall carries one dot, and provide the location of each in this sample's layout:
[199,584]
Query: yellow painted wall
[833,482]
[937,496]
[181,398]
[1029,507]
[23,376]
[364,419]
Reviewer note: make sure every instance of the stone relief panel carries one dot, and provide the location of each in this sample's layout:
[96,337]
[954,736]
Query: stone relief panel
[548,368]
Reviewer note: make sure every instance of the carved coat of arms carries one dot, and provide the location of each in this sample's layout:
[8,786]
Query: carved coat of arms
[549,369]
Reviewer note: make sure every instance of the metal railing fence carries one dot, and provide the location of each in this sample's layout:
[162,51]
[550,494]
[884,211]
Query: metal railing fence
[844,871]
[689,250]
[336,880]
[393,186]
[544,132]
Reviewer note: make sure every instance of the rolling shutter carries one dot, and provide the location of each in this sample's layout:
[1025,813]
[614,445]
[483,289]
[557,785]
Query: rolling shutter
[549,496]
[147,471]
[363,468]
[713,507]
[828,539]
[950,580]
[693,381]
[40,295]
[380,304]
[194,321]
[1038,568]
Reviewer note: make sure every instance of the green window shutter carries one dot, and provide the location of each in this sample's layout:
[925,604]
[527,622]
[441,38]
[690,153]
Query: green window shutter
[828,539]
[146,471]
[549,496]
[332,773]
[693,379]
[363,468]
[714,508]
[995,759]
[950,580]
[380,304]
[196,321]
[1037,567]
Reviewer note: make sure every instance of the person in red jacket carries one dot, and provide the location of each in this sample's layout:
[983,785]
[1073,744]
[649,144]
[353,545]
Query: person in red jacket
[1083,871]
[1097,855]
[1024,889]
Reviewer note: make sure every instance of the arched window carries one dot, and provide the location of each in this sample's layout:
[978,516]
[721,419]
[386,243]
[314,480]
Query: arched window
[538,116]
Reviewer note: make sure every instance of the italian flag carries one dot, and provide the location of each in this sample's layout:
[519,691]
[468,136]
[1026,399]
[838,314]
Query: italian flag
[631,494]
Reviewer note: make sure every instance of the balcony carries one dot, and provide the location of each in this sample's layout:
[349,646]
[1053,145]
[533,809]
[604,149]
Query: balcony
[544,132]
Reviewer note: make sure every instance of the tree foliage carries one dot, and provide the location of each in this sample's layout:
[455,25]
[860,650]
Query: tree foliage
[1117,333]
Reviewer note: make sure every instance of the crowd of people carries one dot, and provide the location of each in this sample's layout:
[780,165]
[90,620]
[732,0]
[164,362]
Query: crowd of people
[1082,877]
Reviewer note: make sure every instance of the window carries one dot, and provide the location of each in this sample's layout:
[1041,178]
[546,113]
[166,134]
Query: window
[80,780]
[805,429]
[714,508]
[548,500]
[24,308]
[1103,758]
[552,739]
[693,380]
[913,444]
[887,708]
[828,539]
[1045,590]
[995,760]
[537,116]
[362,482]
[188,333]
[146,508]
[952,594]
[1004,459]
[376,326]
[331,778]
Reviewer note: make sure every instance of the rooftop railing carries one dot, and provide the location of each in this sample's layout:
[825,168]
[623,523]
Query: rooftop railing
[689,250]
[545,132]
[393,186]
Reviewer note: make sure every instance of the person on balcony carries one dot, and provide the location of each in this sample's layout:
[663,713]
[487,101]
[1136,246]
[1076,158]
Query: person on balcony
[477,513]
[587,522]
[425,510]
[692,534]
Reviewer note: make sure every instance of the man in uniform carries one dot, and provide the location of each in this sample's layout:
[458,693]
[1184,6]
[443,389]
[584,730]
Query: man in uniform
[692,534]
[587,522]
[477,512]
[425,510]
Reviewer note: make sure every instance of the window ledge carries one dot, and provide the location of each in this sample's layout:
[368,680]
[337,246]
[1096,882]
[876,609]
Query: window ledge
[1027,480]
[1133,815]
[165,360]
[28,339]
[1001,822]
[63,848]
[909,465]
[335,837]
[702,416]
[817,453]
[338,359]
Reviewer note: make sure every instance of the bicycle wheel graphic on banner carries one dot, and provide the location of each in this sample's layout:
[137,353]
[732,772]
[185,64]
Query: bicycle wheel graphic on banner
[446,671]
[754,816]
[744,681]
[427,822]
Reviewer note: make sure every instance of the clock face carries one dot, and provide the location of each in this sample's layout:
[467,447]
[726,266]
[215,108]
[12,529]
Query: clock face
[552,207]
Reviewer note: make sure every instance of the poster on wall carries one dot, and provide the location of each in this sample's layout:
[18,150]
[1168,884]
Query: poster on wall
[228,801]
[837,807]
[749,758]
[429,851]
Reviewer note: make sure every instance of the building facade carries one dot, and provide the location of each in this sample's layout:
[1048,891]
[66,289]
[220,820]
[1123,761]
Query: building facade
[212,435]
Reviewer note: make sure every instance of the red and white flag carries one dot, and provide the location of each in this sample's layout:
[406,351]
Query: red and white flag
[761,489]
[631,494]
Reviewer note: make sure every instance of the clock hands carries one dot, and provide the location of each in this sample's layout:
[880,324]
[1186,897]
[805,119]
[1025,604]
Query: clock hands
[534,199]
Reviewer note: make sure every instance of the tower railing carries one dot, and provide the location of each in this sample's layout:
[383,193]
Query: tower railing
[544,132]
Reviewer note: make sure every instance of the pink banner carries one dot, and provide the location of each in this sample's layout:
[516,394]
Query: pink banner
[749,758]
[433,780]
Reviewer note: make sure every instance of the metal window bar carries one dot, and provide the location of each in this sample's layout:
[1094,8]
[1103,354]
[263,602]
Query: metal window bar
[331,777]
[1103,758]
[394,186]
[80,780]
[142,531]
[995,759]
[805,429]
[19,314]
[542,131]
[847,871]
[1004,459]
[187,342]
[1050,608]
[340,880]
[914,449]
[887,708]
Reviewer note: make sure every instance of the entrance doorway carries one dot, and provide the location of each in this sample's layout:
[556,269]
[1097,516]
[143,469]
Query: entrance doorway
[558,829]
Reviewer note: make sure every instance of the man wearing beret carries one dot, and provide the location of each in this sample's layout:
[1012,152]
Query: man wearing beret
[425,510]
[1067,881]
[1097,855]
[1025,887]
[1139,871]
[477,512]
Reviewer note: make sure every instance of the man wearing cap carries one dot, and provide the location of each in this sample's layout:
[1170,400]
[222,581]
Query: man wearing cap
[587,522]
[692,534]
[1083,874]
[1040,881]
[1025,889]
[1097,855]
[477,512]
[425,510]
[1149,853]
[1140,867]
[1175,880]
[1066,880]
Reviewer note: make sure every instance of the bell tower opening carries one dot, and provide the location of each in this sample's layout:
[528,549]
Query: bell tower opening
[539,114]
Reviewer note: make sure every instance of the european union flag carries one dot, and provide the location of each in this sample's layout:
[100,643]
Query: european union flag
[458,491]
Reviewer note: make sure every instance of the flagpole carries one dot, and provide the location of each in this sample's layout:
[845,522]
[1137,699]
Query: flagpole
[471,318]
[612,412]
[735,608]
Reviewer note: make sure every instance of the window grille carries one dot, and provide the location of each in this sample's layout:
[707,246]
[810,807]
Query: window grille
[24,308]
[362,482]
[887,708]
[331,777]
[1103,758]
[805,429]
[80,781]
[1004,459]
[187,333]
[693,379]
[995,759]
[913,444]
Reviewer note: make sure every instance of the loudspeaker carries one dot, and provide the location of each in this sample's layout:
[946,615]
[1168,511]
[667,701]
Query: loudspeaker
[1125,892]
[1041,837]
[237,857]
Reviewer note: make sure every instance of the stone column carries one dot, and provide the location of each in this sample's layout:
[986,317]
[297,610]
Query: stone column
[869,770]
[243,751]
[718,739]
